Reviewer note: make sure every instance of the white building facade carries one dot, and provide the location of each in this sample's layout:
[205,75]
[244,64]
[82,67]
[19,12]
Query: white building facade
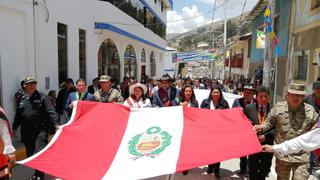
[54,40]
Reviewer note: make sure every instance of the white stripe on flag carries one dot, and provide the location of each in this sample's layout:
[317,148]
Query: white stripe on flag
[128,166]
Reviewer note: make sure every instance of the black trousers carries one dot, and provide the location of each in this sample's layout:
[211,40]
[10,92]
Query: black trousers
[35,142]
[259,165]
[243,164]
[214,168]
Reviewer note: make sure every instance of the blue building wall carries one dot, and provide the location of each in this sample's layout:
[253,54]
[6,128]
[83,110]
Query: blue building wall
[283,8]
[256,54]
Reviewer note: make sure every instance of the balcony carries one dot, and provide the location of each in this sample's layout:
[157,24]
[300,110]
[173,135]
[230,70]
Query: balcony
[236,61]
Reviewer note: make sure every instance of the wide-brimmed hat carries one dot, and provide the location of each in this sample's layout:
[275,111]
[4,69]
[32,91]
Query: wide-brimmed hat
[29,80]
[104,78]
[296,88]
[248,86]
[142,86]
[165,77]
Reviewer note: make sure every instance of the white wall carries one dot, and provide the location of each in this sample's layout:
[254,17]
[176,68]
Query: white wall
[19,58]
[15,51]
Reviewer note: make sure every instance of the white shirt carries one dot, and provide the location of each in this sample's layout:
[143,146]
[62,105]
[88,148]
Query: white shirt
[5,136]
[140,104]
[307,142]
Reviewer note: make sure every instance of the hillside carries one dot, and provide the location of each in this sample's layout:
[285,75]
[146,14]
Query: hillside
[188,41]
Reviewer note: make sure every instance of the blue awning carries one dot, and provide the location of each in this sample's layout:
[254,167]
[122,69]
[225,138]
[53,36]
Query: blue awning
[110,27]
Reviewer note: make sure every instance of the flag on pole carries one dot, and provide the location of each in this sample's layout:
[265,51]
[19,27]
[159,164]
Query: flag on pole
[260,43]
[110,141]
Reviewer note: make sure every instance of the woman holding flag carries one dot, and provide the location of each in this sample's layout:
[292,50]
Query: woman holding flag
[7,156]
[137,98]
[215,101]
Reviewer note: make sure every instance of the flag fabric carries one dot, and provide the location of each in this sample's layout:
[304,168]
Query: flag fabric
[260,43]
[110,141]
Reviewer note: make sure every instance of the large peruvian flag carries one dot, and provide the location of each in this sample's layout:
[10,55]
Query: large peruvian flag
[110,141]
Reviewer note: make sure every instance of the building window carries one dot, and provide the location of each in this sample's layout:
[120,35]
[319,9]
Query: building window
[137,10]
[301,66]
[152,64]
[108,60]
[143,56]
[161,6]
[82,53]
[315,4]
[155,1]
[62,52]
[130,62]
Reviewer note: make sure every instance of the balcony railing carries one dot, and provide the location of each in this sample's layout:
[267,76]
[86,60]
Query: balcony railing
[236,61]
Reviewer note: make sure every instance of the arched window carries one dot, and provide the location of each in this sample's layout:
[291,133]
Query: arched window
[152,64]
[108,60]
[130,62]
[143,63]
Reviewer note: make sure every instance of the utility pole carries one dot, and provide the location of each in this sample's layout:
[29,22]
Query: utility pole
[225,35]
[212,63]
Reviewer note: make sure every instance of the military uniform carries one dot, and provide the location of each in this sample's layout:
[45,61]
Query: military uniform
[108,97]
[288,124]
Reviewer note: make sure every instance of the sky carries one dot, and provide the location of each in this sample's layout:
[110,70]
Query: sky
[199,12]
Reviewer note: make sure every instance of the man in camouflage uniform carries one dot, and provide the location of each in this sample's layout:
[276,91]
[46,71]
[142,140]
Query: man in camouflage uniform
[291,119]
[107,94]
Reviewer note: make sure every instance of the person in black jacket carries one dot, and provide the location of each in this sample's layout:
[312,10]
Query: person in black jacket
[61,100]
[215,101]
[36,116]
[95,86]
[260,163]
[248,97]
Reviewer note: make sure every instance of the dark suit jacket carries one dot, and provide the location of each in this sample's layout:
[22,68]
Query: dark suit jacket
[206,104]
[240,102]
[251,111]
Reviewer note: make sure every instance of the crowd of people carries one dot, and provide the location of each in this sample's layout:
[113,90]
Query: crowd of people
[38,115]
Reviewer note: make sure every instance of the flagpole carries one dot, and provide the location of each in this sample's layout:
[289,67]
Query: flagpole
[275,80]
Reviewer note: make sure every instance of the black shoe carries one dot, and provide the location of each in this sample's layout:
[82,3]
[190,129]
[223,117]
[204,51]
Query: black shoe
[209,171]
[35,177]
[217,175]
[185,172]
[241,172]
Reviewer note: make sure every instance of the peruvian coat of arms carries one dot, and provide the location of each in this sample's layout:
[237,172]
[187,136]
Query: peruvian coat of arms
[150,143]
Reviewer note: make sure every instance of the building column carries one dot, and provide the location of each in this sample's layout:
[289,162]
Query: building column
[138,56]
[148,69]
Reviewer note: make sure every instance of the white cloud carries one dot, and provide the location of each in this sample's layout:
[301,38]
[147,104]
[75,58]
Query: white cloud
[192,16]
[234,7]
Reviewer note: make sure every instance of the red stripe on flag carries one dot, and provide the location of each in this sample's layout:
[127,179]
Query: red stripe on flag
[86,148]
[211,136]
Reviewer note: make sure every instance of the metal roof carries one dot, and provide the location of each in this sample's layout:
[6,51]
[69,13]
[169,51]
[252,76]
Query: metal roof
[259,7]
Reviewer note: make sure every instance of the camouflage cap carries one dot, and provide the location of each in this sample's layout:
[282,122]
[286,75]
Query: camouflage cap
[29,80]
[295,88]
[104,78]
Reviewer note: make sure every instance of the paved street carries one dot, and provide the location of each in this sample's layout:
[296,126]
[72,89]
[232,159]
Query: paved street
[229,171]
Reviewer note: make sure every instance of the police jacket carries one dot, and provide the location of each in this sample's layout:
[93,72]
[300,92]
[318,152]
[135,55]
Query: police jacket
[35,111]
